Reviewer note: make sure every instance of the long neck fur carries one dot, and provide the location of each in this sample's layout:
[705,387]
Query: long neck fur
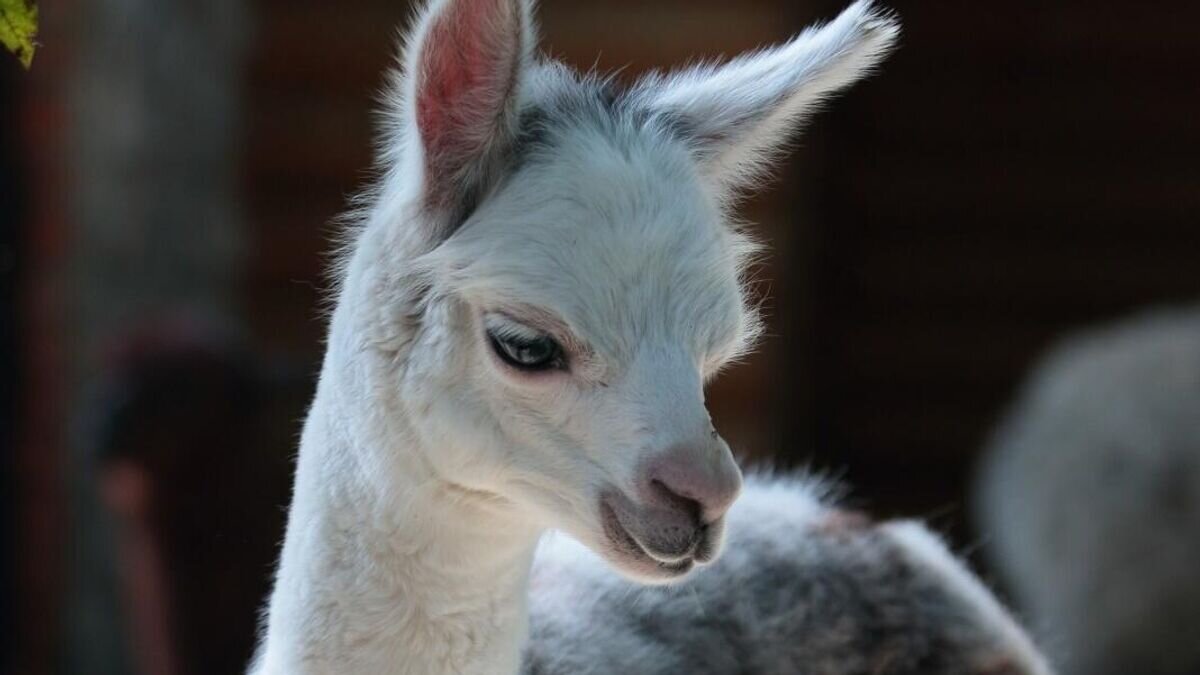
[386,568]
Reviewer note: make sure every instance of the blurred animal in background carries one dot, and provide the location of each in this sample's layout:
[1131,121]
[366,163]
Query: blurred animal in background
[530,303]
[1090,495]
[192,456]
[805,588]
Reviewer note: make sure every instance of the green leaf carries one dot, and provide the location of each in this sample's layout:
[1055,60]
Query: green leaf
[18,27]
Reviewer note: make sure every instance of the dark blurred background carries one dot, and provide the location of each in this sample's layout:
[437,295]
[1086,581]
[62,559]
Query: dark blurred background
[170,168]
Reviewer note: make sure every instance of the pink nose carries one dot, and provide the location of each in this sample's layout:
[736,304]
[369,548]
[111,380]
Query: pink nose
[704,481]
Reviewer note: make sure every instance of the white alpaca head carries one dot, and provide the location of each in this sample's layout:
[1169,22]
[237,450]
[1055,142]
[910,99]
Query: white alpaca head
[550,278]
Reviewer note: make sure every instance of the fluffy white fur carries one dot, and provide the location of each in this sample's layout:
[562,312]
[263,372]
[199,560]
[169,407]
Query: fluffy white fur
[1090,494]
[517,192]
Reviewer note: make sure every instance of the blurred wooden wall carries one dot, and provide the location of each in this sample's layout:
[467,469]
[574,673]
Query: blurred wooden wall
[1018,169]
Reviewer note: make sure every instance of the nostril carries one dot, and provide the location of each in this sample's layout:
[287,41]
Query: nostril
[675,500]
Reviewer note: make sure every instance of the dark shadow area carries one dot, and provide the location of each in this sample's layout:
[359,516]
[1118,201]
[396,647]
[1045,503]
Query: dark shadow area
[12,217]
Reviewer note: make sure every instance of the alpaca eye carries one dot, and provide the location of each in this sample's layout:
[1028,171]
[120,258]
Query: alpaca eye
[532,354]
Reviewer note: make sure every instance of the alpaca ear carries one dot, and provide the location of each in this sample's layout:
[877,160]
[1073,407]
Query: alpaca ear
[463,63]
[740,115]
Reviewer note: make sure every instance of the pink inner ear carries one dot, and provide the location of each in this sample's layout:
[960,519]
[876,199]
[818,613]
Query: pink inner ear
[467,68]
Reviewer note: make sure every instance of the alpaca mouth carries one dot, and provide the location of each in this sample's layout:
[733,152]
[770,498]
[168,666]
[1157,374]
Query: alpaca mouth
[643,559]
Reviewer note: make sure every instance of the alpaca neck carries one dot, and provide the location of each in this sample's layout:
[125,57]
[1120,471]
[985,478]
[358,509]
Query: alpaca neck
[388,569]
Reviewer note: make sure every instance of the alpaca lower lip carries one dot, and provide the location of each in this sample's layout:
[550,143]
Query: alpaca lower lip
[627,543]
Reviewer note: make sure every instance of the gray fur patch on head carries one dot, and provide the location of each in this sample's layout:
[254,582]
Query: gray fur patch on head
[560,100]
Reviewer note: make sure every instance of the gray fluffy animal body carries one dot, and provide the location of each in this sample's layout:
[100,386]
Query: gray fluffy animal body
[804,588]
[1091,495]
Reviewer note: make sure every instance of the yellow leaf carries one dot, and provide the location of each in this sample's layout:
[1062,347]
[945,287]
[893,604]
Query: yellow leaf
[18,27]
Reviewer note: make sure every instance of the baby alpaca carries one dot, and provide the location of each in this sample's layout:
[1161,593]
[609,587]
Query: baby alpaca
[1091,492]
[530,303]
[803,589]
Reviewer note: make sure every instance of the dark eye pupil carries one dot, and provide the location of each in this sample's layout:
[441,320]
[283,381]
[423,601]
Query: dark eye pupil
[540,353]
[533,352]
